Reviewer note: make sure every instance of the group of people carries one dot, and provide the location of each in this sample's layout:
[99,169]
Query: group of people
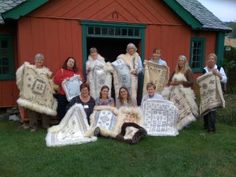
[178,90]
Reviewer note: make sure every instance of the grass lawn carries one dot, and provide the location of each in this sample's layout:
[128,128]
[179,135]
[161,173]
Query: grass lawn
[193,153]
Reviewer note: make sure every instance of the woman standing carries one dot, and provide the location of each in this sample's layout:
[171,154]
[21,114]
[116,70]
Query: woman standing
[104,99]
[134,63]
[97,73]
[181,94]
[85,99]
[67,70]
[210,117]
[36,109]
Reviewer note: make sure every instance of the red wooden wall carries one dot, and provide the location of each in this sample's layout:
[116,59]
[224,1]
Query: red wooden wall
[54,29]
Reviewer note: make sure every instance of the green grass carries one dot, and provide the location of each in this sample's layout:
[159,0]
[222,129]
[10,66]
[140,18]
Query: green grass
[192,153]
[228,114]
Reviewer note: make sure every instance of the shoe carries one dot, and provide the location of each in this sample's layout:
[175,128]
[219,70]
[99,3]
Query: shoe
[33,130]
[25,126]
[96,131]
[211,131]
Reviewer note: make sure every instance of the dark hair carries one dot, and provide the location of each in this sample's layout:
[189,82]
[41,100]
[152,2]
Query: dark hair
[128,96]
[64,66]
[150,84]
[156,50]
[102,88]
[84,85]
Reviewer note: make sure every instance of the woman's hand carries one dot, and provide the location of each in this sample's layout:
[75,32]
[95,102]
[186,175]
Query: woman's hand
[176,83]
[217,73]
[133,71]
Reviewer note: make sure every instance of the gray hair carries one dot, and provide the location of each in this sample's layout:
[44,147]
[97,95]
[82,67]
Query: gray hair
[93,50]
[39,56]
[131,46]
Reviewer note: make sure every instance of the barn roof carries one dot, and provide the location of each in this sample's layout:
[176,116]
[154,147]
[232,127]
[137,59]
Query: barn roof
[203,15]
[14,9]
[6,5]
[191,11]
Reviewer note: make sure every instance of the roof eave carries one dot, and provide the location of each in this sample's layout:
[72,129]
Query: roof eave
[23,9]
[184,14]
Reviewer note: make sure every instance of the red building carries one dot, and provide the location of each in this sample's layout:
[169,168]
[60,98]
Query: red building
[62,28]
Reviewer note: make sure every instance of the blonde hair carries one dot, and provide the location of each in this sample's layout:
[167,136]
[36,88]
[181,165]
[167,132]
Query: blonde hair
[186,66]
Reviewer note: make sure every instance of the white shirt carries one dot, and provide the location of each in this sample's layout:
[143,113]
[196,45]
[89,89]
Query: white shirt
[159,62]
[155,96]
[222,73]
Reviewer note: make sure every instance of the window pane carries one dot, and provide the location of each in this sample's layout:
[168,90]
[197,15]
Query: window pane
[90,30]
[97,30]
[5,70]
[124,32]
[117,31]
[196,53]
[199,44]
[111,31]
[136,32]
[4,61]
[130,32]
[4,44]
[104,31]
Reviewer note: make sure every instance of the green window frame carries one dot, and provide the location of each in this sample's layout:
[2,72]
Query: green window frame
[113,32]
[7,65]
[197,54]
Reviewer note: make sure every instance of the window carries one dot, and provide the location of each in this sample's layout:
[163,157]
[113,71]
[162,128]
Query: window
[111,31]
[6,58]
[197,54]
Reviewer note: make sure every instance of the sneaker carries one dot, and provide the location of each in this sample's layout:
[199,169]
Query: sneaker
[96,131]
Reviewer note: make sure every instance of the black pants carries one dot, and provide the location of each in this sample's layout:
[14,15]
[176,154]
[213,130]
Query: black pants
[34,117]
[137,136]
[210,121]
[62,104]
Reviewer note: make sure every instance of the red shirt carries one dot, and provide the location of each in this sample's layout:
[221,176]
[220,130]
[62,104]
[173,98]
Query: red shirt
[61,75]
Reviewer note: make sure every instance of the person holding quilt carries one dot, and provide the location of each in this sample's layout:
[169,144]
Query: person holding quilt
[181,94]
[210,117]
[156,57]
[35,94]
[68,69]
[134,63]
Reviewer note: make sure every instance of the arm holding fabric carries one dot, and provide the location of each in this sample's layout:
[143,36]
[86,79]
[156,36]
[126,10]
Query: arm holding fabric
[189,77]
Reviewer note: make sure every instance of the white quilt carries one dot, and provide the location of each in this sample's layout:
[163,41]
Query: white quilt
[160,117]
[71,129]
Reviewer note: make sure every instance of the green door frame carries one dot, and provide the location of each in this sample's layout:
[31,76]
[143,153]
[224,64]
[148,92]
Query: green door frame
[85,24]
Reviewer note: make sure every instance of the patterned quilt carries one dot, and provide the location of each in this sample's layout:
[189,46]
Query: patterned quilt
[36,89]
[99,77]
[158,74]
[210,92]
[160,117]
[71,129]
[122,76]
[104,117]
